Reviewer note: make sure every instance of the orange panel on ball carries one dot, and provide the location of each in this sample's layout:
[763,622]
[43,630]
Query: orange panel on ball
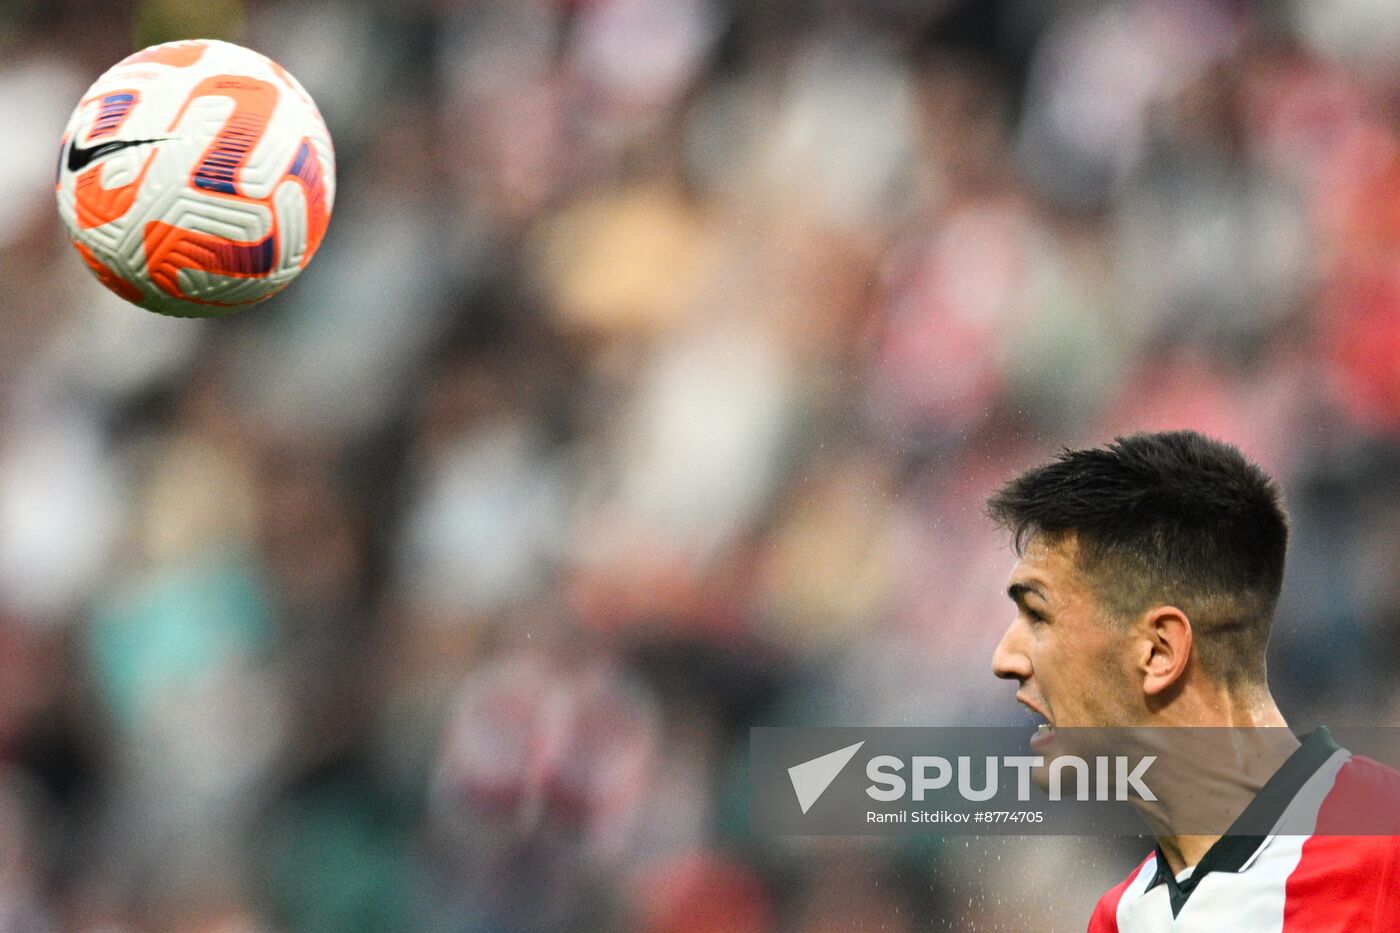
[170,249]
[179,55]
[107,277]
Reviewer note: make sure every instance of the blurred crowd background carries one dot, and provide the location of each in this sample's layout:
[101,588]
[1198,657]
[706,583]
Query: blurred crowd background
[647,388]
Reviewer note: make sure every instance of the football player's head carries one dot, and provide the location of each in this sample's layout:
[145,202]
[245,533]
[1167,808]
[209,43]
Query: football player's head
[1146,568]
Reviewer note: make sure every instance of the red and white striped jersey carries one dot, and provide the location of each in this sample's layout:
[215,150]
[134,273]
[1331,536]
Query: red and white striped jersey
[1252,881]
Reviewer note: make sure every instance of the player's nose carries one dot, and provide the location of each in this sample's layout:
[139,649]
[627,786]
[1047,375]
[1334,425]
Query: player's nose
[1009,660]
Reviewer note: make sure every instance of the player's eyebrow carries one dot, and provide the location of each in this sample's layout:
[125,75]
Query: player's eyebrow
[1018,591]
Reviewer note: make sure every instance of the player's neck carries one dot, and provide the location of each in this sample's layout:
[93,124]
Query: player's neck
[1244,741]
[1207,705]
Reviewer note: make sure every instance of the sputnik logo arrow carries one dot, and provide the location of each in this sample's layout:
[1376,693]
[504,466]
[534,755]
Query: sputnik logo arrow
[811,778]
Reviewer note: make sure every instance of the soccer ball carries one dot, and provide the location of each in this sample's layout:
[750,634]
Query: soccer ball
[196,178]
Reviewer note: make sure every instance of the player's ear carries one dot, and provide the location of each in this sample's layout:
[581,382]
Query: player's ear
[1164,647]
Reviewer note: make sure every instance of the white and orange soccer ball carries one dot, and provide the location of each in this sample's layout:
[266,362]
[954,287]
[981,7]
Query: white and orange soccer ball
[196,178]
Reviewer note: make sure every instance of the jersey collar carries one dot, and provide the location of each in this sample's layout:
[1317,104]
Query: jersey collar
[1233,851]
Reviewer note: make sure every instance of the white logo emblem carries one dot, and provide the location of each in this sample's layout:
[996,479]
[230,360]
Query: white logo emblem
[811,778]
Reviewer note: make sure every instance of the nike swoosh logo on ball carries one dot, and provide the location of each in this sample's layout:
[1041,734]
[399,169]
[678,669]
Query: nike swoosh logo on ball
[79,159]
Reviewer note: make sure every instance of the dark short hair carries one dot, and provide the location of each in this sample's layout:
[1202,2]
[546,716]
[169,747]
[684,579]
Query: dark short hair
[1172,518]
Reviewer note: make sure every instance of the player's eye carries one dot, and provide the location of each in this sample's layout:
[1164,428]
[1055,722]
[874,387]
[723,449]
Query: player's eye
[1035,617]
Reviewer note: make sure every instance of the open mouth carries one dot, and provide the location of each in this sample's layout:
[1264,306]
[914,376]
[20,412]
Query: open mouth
[1045,732]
